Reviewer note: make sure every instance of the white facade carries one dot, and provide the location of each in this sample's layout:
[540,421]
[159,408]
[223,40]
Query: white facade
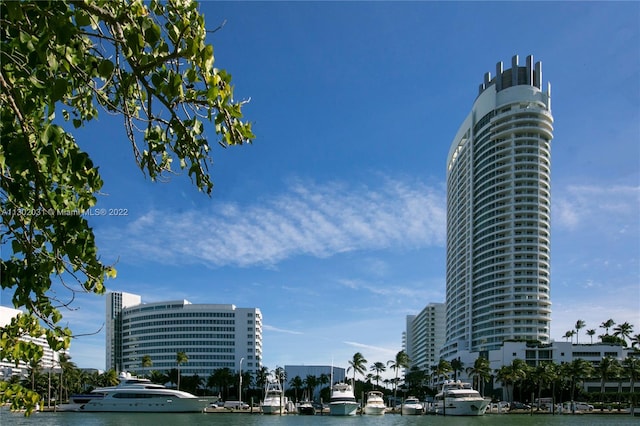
[116,302]
[498,217]
[424,335]
[50,359]
[557,352]
[213,336]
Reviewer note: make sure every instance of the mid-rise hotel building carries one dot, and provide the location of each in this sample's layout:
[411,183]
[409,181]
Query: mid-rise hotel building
[213,336]
[498,199]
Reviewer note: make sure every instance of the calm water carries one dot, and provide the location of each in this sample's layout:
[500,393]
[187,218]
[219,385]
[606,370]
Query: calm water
[146,419]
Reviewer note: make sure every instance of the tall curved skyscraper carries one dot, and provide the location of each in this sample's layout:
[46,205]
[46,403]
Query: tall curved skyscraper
[498,217]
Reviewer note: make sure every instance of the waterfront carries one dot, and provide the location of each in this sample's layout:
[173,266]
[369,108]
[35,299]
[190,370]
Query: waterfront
[148,419]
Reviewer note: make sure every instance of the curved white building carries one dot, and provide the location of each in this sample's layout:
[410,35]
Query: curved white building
[213,336]
[498,199]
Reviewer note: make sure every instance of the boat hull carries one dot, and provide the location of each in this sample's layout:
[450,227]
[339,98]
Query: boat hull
[343,408]
[306,410]
[374,410]
[411,410]
[156,404]
[272,409]
[475,407]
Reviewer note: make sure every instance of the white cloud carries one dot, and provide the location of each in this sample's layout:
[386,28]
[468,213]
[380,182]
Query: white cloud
[371,347]
[267,327]
[310,219]
[597,207]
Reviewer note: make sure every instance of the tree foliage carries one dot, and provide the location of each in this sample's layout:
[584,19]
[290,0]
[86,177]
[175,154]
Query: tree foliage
[62,63]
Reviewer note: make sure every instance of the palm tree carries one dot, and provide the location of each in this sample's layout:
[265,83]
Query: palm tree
[415,378]
[608,368]
[521,371]
[310,383]
[505,376]
[512,374]
[580,324]
[296,383]
[181,358]
[591,333]
[280,375]
[378,367]
[358,364]
[369,378]
[262,376]
[221,379]
[543,375]
[577,370]
[146,362]
[68,375]
[635,340]
[456,366]
[481,371]
[569,335]
[623,331]
[443,368]
[631,366]
[109,378]
[34,367]
[607,325]
[324,379]
[157,377]
[401,361]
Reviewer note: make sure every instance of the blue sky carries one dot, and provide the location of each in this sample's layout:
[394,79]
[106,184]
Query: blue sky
[333,221]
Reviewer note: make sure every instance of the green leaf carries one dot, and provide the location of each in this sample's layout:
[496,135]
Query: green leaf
[153,34]
[59,89]
[82,19]
[105,68]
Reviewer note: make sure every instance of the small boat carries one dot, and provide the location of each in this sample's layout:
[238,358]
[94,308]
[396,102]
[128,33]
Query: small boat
[458,398]
[274,400]
[305,407]
[342,401]
[412,407]
[375,404]
[141,395]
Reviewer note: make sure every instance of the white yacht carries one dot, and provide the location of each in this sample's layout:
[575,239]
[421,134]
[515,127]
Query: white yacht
[412,407]
[141,395]
[375,403]
[342,402]
[274,400]
[458,398]
[305,407]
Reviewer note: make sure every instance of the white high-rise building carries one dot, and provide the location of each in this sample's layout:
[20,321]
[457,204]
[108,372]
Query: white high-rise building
[116,302]
[498,217]
[213,336]
[424,336]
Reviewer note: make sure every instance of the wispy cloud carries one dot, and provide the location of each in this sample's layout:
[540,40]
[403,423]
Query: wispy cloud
[602,207]
[309,219]
[371,347]
[266,327]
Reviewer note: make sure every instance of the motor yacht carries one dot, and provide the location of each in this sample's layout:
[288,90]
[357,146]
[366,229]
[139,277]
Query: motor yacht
[412,407]
[141,395]
[342,401]
[375,403]
[458,398]
[274,400]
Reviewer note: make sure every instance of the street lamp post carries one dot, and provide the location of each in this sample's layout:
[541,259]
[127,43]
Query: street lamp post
[240,386]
